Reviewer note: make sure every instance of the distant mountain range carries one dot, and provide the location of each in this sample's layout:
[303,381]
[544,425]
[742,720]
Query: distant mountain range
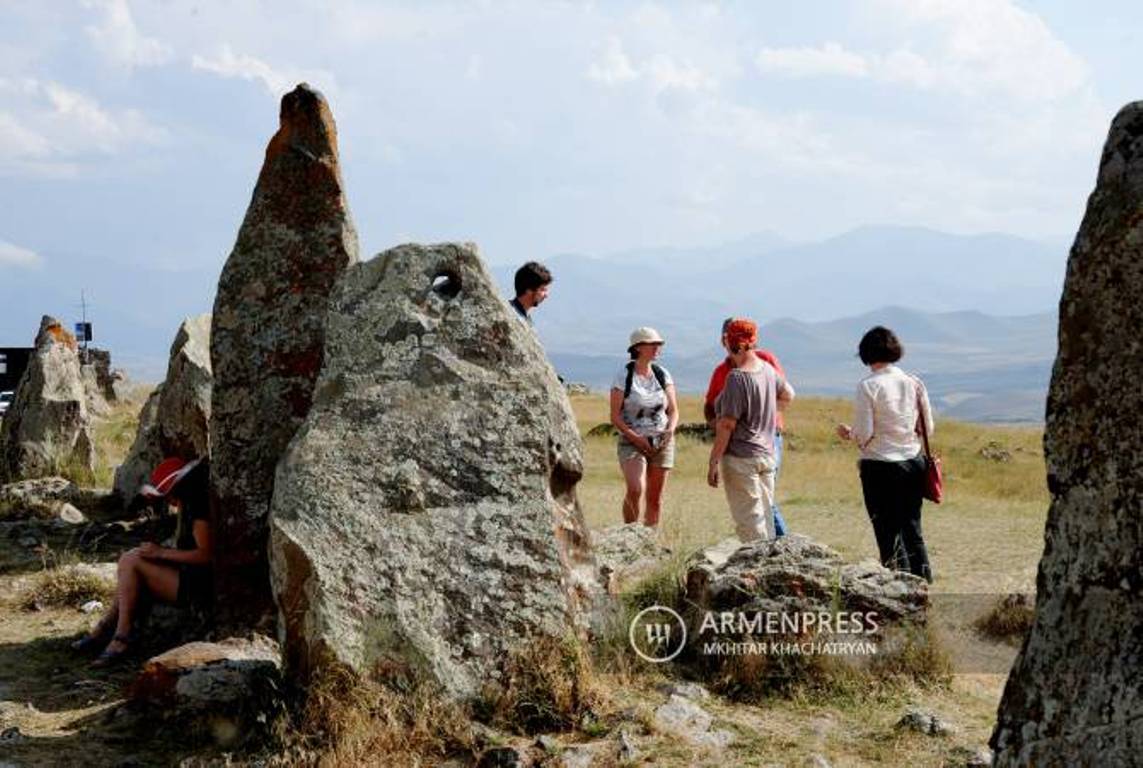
[976,313]
[977,367]
[979,320]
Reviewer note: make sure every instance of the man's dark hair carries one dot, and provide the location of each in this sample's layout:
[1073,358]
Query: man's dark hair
[880,345]
[531,275]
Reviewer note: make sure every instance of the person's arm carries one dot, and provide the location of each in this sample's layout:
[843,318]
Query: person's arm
[712,392]
[200,555]
[672,409]
[927,410]
[785,392]
[620,425]
[862,430]
[730,407]
[723,429]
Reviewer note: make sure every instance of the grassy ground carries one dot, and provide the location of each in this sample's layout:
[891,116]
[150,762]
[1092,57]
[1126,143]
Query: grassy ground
[986,537]
[985,540]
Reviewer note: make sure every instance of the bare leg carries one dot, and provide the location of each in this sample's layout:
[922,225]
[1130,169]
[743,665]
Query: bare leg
[656,481]
[161,580]
[633,470]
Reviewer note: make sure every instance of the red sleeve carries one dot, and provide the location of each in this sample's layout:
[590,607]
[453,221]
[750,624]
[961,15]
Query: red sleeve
[717,382]
[771,358]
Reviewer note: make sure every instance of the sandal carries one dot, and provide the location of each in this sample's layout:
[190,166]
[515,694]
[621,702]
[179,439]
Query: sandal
[93,639]
[108,657]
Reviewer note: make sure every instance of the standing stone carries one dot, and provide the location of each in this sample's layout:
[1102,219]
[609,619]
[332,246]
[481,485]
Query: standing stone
[175,420]
[47,429]
[1075,694]
[425,516]
[267,338]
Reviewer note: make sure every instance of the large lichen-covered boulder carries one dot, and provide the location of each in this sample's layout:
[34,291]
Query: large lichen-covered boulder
[1074,694]
[267,338]
[175,420]
[47,428]
[425,515]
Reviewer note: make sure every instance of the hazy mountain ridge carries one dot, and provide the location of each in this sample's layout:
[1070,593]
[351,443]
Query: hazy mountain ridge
[977,367]
[976,313]
[686,292]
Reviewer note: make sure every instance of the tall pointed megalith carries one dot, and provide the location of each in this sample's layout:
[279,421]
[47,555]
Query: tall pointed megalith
[267,338]
[1075,695]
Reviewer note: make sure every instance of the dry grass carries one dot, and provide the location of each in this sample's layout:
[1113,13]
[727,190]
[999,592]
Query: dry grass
[349,720]
[986,538]
[1010,619]
[113,437]
[548,685]
[64,586]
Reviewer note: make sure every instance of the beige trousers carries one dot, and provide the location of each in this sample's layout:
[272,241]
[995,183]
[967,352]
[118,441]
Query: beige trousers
[749,484]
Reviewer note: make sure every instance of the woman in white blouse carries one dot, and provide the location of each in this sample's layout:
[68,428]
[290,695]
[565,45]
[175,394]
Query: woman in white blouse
[886,428]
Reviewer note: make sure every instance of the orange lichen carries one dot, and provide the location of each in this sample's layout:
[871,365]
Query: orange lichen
[61,335]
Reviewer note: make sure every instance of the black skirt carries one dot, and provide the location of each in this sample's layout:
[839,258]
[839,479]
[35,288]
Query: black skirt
[196,585]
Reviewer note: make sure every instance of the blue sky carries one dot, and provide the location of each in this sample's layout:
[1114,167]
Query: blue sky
[131,133]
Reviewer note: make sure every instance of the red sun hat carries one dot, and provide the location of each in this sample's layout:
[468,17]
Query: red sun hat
[741,332]
[166,476]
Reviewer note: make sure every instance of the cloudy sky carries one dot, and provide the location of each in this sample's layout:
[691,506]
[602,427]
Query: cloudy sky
[131,132]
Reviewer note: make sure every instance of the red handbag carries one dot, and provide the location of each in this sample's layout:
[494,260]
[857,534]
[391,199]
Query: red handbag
[933,488]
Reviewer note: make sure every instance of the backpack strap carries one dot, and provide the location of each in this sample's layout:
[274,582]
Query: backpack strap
[660,376]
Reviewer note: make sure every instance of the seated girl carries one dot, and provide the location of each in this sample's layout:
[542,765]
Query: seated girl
[181,576]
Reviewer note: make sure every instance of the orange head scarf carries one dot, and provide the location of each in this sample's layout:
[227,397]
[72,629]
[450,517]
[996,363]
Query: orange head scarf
[741,332]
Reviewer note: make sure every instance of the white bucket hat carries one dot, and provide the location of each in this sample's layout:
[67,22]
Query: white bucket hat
[645,335]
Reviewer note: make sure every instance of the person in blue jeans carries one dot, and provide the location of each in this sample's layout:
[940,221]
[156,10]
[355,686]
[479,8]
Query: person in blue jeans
[714,389]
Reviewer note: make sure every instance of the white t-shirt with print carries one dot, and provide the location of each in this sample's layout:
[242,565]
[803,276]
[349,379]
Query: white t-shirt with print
[645,409]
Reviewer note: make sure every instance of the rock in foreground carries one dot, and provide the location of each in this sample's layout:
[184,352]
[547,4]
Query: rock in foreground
[1073,697]
[267,338]
[223,690]
[425,515]
[795,573]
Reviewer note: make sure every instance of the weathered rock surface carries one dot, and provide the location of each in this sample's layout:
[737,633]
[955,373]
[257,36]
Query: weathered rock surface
[425,515]
[795,573]
[145,452]
[928,723]
[268,335]
[625,554]
[685,719]
[43,498]
[47,426]
[175,420]
[223,689]
[98,405]
[1073,696]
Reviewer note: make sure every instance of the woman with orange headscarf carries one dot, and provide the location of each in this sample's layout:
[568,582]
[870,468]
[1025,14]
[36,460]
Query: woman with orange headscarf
[743,454]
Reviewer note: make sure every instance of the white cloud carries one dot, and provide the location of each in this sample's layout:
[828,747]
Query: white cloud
[660,71]
[49,128]
[666,73]
[992,47]
[243,66]
[976,48]
[117,37]
[614,67]
[12,255]
[829,59]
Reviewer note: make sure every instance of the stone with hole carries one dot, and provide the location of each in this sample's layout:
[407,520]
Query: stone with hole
[425,516]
